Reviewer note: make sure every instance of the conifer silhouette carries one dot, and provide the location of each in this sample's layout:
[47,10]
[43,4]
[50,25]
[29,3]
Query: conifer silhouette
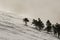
[48,24]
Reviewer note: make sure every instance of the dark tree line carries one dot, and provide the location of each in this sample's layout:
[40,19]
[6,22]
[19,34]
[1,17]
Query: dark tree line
[39,25]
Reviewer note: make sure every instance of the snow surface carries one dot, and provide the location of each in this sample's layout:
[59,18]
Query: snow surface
[13,28]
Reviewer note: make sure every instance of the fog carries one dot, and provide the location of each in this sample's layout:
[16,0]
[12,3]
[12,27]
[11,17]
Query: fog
[44,9]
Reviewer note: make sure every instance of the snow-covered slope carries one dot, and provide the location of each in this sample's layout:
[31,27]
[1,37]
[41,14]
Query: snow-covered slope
[12,28]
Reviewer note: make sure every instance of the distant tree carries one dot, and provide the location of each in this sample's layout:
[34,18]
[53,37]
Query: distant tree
[48,24]
[40,24]
[57,29]
[26,20]
[35,23]
[54,29]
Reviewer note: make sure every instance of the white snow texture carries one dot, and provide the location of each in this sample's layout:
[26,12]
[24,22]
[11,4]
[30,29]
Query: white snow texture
[13,28]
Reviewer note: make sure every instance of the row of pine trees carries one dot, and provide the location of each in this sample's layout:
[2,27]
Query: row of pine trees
[39,25]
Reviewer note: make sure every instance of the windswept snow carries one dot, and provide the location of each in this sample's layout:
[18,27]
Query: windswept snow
[13,28]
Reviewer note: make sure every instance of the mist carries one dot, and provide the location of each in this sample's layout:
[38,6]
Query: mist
[44,9]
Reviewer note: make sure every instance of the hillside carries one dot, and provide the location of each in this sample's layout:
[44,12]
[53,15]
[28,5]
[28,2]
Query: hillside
[13,28]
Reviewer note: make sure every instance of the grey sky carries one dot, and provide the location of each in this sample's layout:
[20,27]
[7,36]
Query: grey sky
[45,9]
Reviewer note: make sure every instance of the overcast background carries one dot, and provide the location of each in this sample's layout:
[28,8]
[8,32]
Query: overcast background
[45,9]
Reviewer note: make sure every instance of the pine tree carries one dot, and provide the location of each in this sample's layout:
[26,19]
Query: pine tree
[48,24]
[40,24]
